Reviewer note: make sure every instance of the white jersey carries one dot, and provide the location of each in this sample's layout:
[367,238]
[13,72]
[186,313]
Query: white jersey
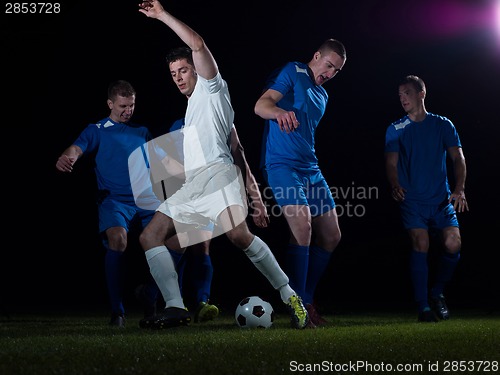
[208,122]
[213,183]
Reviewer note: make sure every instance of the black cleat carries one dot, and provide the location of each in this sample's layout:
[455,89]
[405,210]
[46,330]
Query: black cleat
[439,307]
[171,317]
[147,322]
[427,316]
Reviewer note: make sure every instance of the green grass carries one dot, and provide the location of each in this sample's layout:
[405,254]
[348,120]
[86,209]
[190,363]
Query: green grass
[66,345]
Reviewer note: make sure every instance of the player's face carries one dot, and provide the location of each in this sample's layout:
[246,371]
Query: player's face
[325,66]
[184,76]
[409,97]
[122,108]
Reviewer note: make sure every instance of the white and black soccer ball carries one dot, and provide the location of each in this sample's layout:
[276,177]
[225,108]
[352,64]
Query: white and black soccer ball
[254,312]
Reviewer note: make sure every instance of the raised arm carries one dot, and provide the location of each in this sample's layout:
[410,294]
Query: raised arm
[259,210]
[204,62]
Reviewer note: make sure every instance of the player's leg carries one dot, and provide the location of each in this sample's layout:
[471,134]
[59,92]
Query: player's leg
[327,237]
[263,259]
[448,261]
[415,219]
[419,272]
[114,219]
[115,243]
[163,270]
[298,218]
[178,257]
[201,277]
[290,193]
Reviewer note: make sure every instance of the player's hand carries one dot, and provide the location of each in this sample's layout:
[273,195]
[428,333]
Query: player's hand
[259,214]
[287,121]
[459,202]
[398,193]
[151,8]
[65,163]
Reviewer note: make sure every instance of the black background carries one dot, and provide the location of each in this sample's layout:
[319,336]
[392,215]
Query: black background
[56,69]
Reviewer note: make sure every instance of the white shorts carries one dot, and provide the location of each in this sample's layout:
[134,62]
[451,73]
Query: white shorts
[205,195]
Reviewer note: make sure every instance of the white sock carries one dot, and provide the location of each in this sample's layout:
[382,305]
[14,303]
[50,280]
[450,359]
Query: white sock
[286,292]
[162,269]
[262,257]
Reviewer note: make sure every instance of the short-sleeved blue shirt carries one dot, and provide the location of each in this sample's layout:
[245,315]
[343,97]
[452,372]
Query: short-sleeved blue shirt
[308,101]
[422,156]
[112,142]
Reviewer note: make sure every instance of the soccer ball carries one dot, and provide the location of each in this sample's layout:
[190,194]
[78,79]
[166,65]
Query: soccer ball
[254,312]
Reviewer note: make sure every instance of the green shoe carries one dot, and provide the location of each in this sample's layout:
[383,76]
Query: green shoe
[205,312]
[298,313]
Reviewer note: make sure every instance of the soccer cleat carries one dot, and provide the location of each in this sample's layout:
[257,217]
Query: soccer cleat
[427,316]
[171,317]
[314,317]
[147,322]
[205,312]
[117,320]
[438,305]
[298,313]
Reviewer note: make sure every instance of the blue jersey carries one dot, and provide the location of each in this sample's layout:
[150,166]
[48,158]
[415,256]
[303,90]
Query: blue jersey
[177,125]
[308,101]
[422,156]
[112,142]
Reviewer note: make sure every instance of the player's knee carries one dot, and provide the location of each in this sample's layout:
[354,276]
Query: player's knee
[145,240]
[117,243]
[453,244]
[240,236]
[240,239]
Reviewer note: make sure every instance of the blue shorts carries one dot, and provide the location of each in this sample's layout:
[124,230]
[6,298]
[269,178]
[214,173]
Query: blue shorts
[293,187]
[435,216]
[116,212]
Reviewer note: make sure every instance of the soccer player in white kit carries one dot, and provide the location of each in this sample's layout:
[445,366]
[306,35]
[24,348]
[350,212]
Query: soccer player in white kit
[213,191]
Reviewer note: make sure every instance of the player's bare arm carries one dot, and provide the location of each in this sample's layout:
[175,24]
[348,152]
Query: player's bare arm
[266,108]
[204,62]
[259,210]
[68,158]
[457,197]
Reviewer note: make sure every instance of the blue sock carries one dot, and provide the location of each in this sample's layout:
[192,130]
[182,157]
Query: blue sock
[202,272]
[297,264]
[318,261]
[151,291]
[447,264]
[419,272]
[180,263]
[113,265]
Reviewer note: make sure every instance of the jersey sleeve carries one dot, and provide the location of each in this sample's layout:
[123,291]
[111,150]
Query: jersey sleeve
[391,139]
[281,79]
[88,140]
[451,137]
